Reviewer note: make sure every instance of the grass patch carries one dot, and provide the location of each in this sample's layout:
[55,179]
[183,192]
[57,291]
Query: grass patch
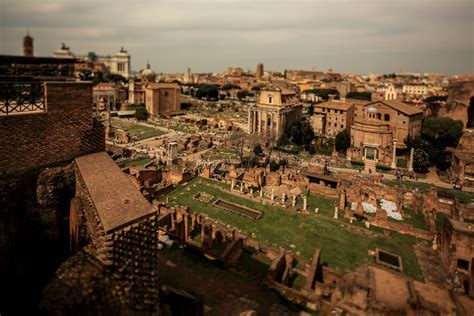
[342,248]
[225,153]
[416,220]
[137,162]
[439,221]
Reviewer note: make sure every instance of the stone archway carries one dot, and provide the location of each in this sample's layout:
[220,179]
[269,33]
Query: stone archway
[470,113]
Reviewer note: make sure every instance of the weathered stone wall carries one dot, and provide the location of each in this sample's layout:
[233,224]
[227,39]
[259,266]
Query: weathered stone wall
[33,233]
[66,130]
[459,95]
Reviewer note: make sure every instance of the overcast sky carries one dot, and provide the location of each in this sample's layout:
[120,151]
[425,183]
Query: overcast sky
[358,36]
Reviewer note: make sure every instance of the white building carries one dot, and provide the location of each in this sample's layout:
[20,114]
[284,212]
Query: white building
[118,63]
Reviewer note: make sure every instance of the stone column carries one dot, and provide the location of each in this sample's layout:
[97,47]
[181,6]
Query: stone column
[241,187]
[305,203]
[394,156]
[272,132]
[336,213]
[250,123]
[261,193]
[293,203]
[273,195]
[232,185]
[410,162]
[255,121]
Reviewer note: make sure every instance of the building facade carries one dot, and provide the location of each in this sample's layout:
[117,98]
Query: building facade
[382,126]
[338,116]
[118,63]
[275,109]
[163,98]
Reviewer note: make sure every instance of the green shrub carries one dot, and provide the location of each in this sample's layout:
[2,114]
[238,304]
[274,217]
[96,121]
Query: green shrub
[141,113]
[357,163]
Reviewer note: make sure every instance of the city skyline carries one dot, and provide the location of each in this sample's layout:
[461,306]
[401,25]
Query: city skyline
[209,36]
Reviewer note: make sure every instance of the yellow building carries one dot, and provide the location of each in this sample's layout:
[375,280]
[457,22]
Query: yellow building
[163,98]
[275,109]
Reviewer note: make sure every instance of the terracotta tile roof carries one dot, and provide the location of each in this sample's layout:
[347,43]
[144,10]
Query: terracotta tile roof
[400,106]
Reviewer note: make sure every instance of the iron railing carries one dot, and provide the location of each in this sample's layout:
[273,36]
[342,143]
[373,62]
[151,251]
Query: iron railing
[21,97]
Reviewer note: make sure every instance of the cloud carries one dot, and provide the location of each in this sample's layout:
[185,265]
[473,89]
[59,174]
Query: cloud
[209,35]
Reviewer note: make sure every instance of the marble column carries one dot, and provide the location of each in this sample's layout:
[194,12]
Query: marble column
[394,156]
[410,162]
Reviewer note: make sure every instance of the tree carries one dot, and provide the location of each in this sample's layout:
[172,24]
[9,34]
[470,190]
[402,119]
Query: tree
[141,113]
[85,74]
[237,141]
[207,91]
[274,166]
[442,131]
[300,132]
[257,150]
[241,94]
[421,161]
[115,78]
[343,141]
[311,110]
[359,95]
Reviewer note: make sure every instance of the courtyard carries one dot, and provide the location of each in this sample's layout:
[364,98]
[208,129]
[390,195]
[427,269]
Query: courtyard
[344,246]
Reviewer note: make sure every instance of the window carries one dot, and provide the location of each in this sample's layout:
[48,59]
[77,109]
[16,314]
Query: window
[270,99]
[386,117]
[342,125]
[379,116]
[166,93]
[463,264]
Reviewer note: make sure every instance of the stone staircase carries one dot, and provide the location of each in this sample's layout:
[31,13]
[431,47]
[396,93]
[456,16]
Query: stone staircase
[370,165]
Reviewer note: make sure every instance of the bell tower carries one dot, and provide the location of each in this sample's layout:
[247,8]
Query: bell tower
[28,45]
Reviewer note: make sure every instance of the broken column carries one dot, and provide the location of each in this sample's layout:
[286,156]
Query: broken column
[410,162]
[394,156]
[232,185]
[305,203]
[272,197]
[261,193]
[283,198]
[336,212]
[293,203]
[241,187]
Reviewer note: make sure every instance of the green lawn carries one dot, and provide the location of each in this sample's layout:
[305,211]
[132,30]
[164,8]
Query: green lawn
[342,248]
[137,162]
[221,154]
[416,219]
[142,132]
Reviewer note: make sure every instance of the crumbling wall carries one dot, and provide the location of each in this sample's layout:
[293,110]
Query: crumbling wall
[34,208]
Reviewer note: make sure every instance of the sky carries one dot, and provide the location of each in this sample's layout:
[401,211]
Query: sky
[349,36]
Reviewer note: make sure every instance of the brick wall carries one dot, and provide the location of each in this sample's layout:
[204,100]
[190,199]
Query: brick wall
[66,130]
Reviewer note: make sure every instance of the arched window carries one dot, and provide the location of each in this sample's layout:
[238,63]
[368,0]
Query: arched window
[379,116]
[386,117]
